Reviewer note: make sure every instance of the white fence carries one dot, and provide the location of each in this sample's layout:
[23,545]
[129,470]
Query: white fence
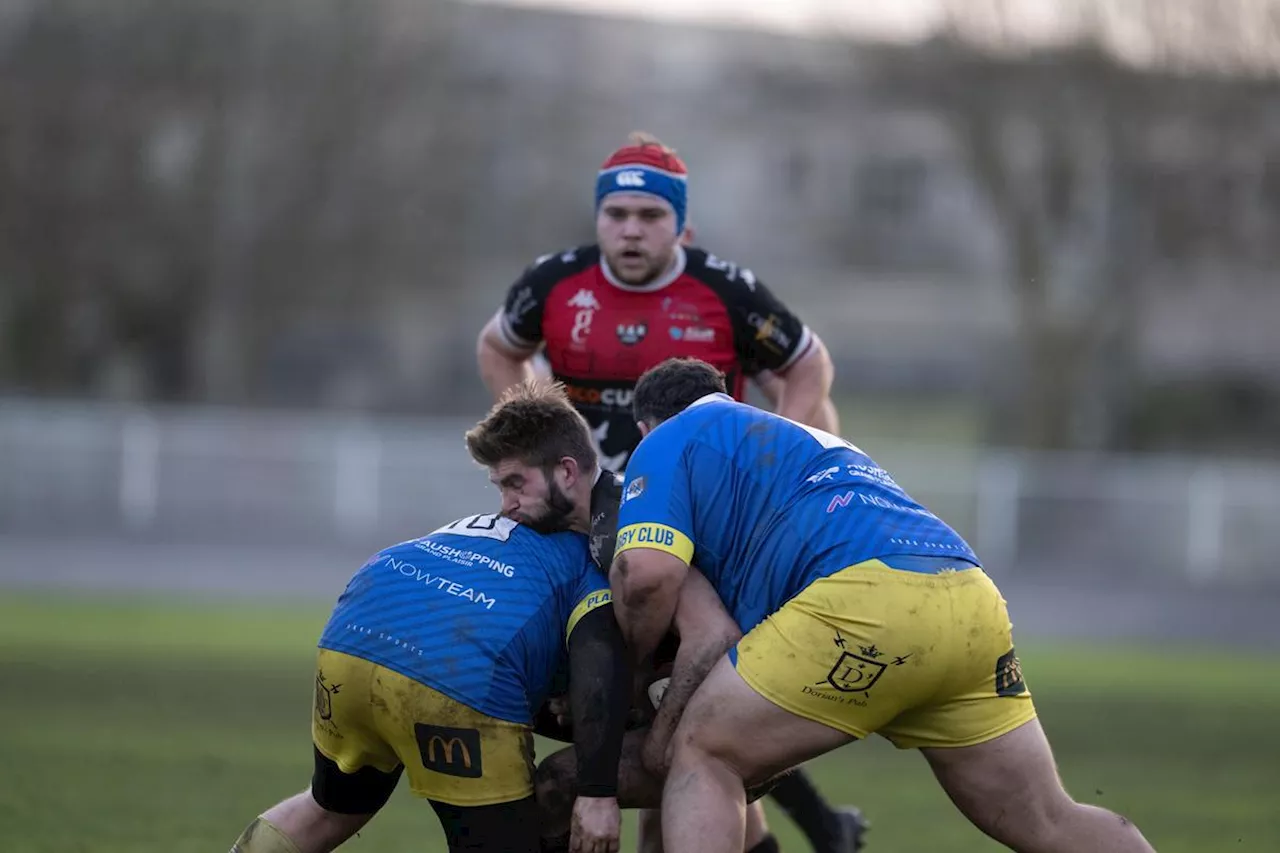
[182,474]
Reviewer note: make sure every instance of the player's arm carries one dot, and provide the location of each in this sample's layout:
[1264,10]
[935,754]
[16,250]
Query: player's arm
[769,336]
[512,335]
[706,632]
[646,583]
[654,545]
[599,699]
[775,389]
[501,366]
[805,395]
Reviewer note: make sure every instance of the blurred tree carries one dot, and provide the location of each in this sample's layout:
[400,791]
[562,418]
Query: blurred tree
[1055,153]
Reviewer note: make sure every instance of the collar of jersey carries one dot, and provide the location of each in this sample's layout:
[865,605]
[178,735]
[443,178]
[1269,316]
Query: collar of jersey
[710,398]
[677,270]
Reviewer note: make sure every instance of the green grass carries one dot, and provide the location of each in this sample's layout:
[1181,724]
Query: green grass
[150,725]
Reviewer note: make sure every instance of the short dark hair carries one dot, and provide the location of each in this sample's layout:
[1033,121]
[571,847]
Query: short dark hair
[665,390]
[534,423]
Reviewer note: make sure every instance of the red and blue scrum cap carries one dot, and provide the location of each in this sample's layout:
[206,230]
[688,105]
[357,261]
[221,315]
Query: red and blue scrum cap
[648,168]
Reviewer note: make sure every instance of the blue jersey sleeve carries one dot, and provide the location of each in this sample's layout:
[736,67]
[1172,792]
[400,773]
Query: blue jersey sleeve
[656,500]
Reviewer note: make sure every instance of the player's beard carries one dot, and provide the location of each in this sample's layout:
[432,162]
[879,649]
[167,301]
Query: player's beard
[655,267]
[556,517]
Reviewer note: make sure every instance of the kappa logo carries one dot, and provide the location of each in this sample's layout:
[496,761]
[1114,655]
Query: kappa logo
[585,298]
[629,178]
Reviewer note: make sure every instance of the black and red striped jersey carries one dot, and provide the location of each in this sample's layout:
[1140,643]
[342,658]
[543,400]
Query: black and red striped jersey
[599,334]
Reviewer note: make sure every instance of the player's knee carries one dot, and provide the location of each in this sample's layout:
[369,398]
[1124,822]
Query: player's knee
[706,744]
[553,784]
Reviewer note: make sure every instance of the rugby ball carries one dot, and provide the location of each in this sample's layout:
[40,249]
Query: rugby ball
[656,684]
[657,689]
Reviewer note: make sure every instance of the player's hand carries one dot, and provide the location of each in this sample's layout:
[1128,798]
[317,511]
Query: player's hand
[597,823]
[559,705]
[656,752]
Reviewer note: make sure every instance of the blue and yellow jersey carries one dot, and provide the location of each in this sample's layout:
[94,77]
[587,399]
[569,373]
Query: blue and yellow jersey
[480,610]
[765,506]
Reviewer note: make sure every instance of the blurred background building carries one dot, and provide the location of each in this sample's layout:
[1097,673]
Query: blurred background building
[245,250]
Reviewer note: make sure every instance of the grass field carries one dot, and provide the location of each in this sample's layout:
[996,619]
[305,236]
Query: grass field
[145,725]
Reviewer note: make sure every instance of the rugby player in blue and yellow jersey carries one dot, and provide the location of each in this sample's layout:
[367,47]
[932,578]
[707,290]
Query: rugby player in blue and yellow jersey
[432,665]
[516,443]
[862,612]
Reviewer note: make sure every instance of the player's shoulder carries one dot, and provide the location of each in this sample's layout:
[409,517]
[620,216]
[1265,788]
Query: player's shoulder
[700,423]
[560,547]
[721,274]
[606,498]
[607,490]
[550,269]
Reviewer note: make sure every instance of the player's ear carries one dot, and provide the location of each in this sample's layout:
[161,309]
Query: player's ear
[568,469]
[644,428]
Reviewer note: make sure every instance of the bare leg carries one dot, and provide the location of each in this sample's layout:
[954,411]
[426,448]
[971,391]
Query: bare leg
[1009,788]
[757,828]
[704,801]
[650,826]
[303,823]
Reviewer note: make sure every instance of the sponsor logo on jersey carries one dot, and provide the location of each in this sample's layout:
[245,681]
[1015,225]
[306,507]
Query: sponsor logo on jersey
[634,489]
[632,333]
[769,332]
[823,475]
[693,334]
[521,304]
[614,398]
[680,312]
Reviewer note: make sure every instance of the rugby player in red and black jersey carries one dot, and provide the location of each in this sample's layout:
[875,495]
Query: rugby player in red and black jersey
[604,313]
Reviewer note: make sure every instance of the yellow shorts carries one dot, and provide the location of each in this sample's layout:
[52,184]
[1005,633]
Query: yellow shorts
[369,716]
[924,659]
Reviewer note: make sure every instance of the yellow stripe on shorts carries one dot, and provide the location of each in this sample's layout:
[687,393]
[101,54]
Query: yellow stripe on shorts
[657,536]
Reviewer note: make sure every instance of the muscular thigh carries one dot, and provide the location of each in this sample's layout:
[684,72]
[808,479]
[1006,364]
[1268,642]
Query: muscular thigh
[367,716]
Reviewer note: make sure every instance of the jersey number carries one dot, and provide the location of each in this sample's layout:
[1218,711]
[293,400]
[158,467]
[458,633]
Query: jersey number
[489,526]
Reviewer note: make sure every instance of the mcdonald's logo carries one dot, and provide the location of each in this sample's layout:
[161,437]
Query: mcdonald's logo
[454,752]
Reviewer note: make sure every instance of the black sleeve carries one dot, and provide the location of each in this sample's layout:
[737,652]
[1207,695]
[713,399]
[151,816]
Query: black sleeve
[606,496]
[599,698]
[522,311]
[766,334]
